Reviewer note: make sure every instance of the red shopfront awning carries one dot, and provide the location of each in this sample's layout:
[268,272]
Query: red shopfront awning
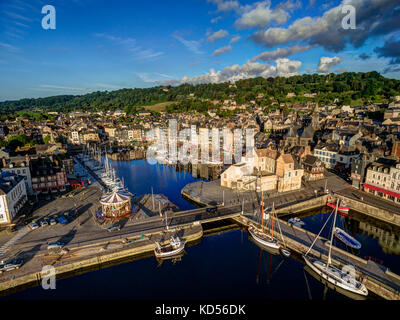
[390,193]
[74,182]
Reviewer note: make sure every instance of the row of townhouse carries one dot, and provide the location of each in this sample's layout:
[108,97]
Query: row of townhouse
[383,180]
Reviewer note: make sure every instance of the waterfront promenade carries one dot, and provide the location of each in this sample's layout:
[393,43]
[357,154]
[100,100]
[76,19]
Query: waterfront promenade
[311,195]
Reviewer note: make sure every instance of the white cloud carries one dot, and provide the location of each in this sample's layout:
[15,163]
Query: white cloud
[280,53]
[284,67]
[235,39]
[287,68]
[226,5]
[326,64]
[260,15]
[8,47]
[153,77]
[191,45]
[222,50]
[129,44]
[373,18]
[217,35]
[216,19]
[52,87]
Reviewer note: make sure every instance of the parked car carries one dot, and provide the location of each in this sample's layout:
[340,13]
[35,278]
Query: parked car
[115,227]
[34,225]
[62,220]
[55,245]
[13,264]
[212,210]
[43,223]
[53,221]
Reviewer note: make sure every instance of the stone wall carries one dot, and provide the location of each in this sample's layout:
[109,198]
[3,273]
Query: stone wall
[374,212]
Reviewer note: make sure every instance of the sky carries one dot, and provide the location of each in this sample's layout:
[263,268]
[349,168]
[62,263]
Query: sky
[102,45]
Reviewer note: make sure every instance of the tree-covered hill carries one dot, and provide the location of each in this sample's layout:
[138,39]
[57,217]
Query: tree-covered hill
[349,88]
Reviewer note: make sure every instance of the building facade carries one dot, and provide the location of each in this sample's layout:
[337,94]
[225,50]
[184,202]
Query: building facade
[12,195]
[383,181]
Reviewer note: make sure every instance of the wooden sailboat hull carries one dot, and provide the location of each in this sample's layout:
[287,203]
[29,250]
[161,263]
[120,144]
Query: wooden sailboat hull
[335,276]
[263,238]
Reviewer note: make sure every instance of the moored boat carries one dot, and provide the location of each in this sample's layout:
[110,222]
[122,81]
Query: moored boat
[259,235]
[174,247]
[346,238]
[263,238]
[336,277]
[297,222]
[330,273]
[341,207]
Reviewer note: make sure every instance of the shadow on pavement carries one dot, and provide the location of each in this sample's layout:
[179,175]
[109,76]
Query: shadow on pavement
[29,254]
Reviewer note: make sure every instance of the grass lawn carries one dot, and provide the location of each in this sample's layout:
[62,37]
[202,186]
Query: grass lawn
[158,106]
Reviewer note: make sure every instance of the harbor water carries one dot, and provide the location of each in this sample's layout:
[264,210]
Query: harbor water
[225,265]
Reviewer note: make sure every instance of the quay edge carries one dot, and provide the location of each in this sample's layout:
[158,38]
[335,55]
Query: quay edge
[93,263]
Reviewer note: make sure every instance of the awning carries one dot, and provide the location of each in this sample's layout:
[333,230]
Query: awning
[390,193]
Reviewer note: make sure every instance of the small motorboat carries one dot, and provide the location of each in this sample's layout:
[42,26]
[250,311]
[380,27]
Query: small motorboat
[296,222]
[347,239]
[342,207]
[285,252]
[174,247]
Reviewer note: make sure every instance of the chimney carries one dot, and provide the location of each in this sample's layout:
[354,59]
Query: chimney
[4,162]
[28,159]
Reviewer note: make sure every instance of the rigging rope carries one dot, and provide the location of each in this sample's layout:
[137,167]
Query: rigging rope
[309,249]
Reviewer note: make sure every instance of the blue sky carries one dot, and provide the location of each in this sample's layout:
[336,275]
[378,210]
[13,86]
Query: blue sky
[107,45]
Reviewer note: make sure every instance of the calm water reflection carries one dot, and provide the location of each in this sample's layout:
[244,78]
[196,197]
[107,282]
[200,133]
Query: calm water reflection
[223,266]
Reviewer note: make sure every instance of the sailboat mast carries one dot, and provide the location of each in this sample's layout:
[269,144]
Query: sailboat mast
[262,211]
[273,212]
[333,229]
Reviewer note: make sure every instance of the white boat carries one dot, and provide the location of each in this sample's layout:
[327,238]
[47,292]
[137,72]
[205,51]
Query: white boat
[259,235]
[174,247]
[346,238]
[263,238]
[297,222]
[332,274]
[336,277]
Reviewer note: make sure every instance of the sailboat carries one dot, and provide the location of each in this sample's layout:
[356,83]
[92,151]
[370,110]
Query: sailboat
[259,235]
[174,247]
[330,273]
